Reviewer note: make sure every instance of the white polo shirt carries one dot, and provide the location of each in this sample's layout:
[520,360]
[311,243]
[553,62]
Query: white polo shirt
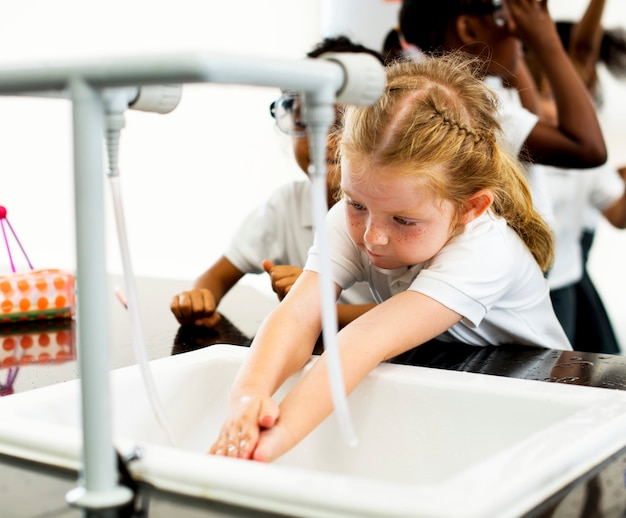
[281,230]
[486,274]
[572,192]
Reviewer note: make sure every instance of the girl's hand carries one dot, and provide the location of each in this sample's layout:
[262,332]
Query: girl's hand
[533,23]
[273,442]
[196,306]
[249,417]
[283,277]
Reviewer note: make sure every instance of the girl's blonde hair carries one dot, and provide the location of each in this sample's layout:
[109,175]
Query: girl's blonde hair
[436,121]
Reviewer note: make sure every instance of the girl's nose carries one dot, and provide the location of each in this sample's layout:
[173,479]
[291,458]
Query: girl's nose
[374,235]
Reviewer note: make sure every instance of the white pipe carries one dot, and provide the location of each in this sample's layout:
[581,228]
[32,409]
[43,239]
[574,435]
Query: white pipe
[100,487]
[321,81]
[306,75]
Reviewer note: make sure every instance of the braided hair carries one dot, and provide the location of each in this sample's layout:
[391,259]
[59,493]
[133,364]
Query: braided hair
[436,121]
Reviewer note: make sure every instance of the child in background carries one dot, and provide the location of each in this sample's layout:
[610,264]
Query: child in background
[573,195]
[494,31]
[439,220]
[276,237]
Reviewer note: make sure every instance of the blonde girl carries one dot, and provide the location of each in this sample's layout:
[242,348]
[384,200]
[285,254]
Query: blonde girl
[439,220]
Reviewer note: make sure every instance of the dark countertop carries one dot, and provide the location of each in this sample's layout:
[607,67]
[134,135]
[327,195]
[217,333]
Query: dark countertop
[32,490]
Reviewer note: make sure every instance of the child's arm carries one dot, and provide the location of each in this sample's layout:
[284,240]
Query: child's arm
[397,325]
[615,214]
[585,40]
[284,276]
[346,313]
[527,89]
[281,347]
[199,305]
[577,141]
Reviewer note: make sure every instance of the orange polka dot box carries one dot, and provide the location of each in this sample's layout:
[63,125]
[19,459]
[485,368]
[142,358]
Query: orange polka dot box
[36,295]
[34,342]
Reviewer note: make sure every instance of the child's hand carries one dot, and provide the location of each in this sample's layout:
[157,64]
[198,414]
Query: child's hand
[240,433]
[283,277]
[532,20]
[273,442]
[196,306]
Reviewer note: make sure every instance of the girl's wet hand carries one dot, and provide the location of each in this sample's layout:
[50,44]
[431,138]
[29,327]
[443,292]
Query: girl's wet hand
[196,306]
[283,277]
[272,443]
[248,418]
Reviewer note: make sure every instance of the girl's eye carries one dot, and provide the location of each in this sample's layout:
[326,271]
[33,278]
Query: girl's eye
[403,221]
[356,205]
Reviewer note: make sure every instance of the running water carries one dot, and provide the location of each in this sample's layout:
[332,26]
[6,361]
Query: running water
[132,299]
[317,174]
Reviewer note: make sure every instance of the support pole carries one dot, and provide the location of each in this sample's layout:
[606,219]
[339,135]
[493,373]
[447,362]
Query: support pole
[99,487]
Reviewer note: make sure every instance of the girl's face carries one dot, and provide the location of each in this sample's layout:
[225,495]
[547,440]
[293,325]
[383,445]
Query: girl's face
[395,221]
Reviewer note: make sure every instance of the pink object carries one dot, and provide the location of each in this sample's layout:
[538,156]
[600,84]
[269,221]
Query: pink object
[3,218]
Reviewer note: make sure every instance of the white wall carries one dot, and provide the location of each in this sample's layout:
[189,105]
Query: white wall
[187,177]
[190,176]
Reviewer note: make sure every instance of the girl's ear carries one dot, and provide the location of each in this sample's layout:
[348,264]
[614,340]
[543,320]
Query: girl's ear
[466,31]
[476,206]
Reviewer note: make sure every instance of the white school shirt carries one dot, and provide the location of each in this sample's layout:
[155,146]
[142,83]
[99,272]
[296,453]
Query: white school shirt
[517,123]
[281,230]
[572,192]
[486,275]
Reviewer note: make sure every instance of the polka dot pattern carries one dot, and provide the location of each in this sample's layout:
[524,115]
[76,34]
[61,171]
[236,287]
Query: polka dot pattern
[36,343]
[35,295]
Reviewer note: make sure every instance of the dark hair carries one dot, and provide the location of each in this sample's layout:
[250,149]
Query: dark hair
[341,44]
[425,23]
[612,46]
[392,47]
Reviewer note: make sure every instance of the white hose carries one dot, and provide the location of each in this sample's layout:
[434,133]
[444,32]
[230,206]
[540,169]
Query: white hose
[317,142]
[329,314]
[132,297]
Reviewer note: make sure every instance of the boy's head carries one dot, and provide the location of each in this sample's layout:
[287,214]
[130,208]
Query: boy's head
[483,28]
[341,44]
[287,112]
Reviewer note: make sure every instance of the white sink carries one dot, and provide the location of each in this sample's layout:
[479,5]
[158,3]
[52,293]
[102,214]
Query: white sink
[432,442]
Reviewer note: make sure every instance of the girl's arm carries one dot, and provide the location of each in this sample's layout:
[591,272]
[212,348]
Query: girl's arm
[281,347]
[346,313]
[400,323]
[527,89]
[585,40]
[577,141]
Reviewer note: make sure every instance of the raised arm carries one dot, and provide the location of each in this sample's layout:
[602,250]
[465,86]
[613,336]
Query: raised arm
[585,41]
[576,141]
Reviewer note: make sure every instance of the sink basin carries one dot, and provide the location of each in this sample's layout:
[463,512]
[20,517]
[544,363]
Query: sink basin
[431,443]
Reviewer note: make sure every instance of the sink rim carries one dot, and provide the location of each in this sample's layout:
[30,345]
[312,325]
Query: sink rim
[223,478]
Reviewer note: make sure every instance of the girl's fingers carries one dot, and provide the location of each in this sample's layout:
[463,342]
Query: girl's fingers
[268,414]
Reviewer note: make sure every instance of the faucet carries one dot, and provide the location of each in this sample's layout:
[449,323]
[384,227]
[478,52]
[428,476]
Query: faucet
[338,79]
